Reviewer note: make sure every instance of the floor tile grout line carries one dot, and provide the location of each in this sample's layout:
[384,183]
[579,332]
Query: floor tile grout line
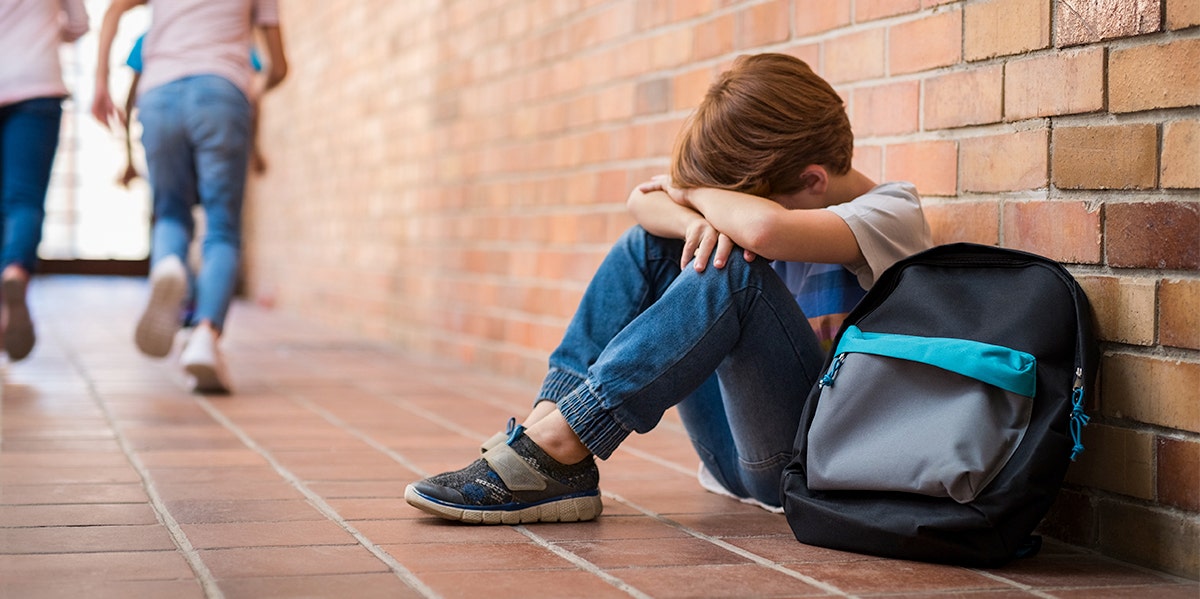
[1013,583]
[582,563]
[561,551]
[574,558]
[404,574]
[665,463]
[208,582]
[750,555]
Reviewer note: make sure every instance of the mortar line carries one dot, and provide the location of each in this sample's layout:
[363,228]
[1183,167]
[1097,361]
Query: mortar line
[208,582]
[404,574]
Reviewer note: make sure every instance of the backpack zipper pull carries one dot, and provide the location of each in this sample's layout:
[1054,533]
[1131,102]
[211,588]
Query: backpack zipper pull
[1078,418]
[827,380]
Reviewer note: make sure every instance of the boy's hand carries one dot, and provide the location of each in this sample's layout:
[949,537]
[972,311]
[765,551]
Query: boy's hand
[702,242]
[663,183]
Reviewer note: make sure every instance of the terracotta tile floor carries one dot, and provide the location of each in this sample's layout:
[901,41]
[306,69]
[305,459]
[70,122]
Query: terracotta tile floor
[115,482]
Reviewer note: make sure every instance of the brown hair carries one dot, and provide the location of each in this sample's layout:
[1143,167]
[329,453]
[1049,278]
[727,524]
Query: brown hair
[760,124]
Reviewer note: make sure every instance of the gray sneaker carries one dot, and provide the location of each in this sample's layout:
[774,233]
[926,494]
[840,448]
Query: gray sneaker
[513,483]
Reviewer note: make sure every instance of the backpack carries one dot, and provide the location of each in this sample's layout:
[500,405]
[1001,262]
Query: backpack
[948,411]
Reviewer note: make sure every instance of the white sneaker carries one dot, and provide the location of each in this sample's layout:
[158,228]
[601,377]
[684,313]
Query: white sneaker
[712,485]
[202,361]
[161,319]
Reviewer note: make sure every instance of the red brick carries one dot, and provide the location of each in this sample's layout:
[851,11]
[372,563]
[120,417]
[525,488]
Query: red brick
[972,97]
[686,9]
[1106,157]
[973,221]
[653,96]
[869,10]
[1005,27]
[1063,231]
[818,16]
[809,53]
[1150,389]
[1164,540]
[1181,154]
[924,44]
[868,160]
[1115,459]
[651,15]
[1182,14]
[1123,307]
[1009,162]
[1154,76]
[888,109]
[687,89]
[855,56]
[1090,21]
[1179,473]
[931,165]
[715,37]
[1163,235]
[671,48]
[763,24]
[1179,313]
[1078,85]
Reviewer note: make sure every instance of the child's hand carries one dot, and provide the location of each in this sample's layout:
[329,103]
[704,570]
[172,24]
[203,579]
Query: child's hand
[663,183]
[703,242]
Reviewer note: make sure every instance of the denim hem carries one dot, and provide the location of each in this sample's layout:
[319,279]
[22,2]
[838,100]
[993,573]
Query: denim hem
[557,385]
[594,425]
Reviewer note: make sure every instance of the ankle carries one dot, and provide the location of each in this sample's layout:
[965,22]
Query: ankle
[555,437]
[15,271]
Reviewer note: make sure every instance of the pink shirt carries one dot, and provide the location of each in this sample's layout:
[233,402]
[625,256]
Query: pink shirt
[30,34]
[203,37]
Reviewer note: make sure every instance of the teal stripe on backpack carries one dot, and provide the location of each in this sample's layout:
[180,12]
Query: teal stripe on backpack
[1006,368]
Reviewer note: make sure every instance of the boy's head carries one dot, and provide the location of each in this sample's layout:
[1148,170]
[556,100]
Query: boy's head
[760,124]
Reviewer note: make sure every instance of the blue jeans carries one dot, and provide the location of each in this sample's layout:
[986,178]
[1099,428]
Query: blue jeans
[196,133]
[729,346]
[28,141]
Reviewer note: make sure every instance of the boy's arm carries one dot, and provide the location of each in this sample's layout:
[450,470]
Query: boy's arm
[770,230]
[654,210]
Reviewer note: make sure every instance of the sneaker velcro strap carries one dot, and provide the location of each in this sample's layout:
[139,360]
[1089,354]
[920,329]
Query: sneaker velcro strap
[516,473]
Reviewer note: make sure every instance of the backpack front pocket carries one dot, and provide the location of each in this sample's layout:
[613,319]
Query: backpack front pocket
[928,415]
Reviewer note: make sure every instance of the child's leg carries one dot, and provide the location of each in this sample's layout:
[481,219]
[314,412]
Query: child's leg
[637,271]
[741,319]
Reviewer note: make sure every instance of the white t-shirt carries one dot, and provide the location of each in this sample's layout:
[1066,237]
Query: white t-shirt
[30,34]
[203,37]
[888,224]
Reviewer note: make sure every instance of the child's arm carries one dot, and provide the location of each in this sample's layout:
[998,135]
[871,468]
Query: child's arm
[102,105]
[773,231]
[130,173]
[75,23]
[654,210]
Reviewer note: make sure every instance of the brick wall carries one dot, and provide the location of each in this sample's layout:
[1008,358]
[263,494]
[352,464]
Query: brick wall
[445,176]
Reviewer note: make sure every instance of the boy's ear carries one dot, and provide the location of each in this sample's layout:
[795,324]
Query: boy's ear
[816,178]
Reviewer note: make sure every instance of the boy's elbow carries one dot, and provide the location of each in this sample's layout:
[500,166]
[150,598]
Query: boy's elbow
[761,235]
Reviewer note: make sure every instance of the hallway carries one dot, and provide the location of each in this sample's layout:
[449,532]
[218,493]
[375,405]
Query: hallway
[116,482]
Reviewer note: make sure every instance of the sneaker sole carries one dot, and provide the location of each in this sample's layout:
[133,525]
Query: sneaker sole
[207,379]
[574,509]
[157,327]
[18,335]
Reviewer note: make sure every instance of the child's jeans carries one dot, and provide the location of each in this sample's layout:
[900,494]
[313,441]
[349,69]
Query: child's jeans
[647,336]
